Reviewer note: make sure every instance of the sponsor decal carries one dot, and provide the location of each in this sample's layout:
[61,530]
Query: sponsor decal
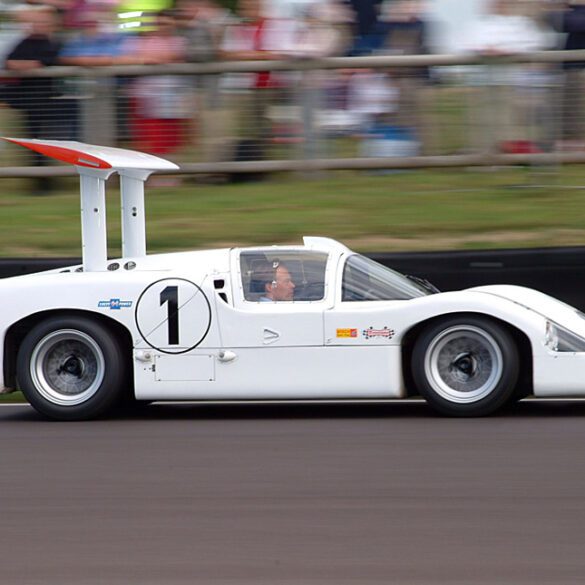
[384,333]
[347,333]
[115,304]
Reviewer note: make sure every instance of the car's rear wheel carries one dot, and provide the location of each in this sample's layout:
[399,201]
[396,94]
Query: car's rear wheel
[71,368]
[466,366]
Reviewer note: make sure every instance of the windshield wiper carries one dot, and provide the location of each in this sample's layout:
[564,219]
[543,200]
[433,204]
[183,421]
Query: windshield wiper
[424,283]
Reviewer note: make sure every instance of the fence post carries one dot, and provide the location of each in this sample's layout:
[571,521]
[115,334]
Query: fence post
[310,99]
[98,111]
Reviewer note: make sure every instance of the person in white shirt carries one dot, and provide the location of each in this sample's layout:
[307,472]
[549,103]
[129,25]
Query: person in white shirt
[503,110]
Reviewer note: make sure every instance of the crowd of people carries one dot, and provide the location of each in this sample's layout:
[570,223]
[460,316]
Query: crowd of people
[94,33]
[163,113]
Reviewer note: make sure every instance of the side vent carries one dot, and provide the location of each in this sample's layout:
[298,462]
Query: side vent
[219,286]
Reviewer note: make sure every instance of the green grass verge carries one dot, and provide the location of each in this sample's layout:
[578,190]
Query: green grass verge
[14,397]
[417,210]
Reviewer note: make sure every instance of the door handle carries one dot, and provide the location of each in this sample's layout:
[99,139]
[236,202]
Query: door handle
[226,356]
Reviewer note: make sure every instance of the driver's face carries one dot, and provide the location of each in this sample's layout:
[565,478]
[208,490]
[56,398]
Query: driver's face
[284,289]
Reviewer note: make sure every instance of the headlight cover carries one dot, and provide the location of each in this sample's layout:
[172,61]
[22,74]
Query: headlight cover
[559,339]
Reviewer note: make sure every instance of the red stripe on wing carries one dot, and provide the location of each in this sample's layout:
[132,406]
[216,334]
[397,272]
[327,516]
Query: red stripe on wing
[68,155]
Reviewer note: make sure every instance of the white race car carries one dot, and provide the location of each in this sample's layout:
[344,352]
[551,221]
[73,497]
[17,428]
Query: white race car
[314,321]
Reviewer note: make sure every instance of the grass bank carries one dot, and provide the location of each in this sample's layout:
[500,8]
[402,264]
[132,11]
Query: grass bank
[422,210]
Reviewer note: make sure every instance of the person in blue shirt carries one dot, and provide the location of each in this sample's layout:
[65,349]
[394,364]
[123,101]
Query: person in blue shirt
[93,46]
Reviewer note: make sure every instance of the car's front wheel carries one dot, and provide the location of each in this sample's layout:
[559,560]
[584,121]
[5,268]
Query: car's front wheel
[71,368]
[466,365]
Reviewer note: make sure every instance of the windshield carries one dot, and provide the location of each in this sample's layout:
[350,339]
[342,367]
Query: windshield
[366,280]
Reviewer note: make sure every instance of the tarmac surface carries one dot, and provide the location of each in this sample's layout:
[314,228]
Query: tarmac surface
[294,494]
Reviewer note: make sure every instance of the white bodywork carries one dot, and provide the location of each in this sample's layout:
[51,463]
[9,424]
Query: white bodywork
[239,349]
[222,346]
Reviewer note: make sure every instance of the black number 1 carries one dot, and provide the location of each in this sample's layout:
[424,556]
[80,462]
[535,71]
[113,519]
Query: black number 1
[171,296]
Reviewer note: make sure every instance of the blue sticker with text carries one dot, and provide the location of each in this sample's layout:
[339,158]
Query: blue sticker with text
[115,304]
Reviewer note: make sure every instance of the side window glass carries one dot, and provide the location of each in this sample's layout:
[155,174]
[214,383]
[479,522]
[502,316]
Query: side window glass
[285,276]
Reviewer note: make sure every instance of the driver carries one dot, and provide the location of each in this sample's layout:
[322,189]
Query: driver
[277,283]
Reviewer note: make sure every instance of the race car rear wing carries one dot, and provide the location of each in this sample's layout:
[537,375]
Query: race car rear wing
[95,164]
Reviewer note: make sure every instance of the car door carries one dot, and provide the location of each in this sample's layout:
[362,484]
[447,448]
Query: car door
[276,349]
[178,336]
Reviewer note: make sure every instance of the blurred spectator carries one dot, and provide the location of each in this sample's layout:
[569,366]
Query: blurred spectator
[257,38]
[372,98]
[510,93]
[324,30]
[13,29]
[77,14]
[95,44]
[503,31]
[35,97]
[405,27]
[390,108]
[368,31]
[202,24]
[161,102]
[407,34]
[60,6]
[570,19]
[374,102]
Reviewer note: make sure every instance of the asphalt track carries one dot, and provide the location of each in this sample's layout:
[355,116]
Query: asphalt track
[294,494]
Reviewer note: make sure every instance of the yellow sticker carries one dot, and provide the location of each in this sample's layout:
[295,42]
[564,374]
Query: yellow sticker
[347,333]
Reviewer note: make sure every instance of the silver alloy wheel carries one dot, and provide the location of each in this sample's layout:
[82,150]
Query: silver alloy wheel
[67,367]
[463,364]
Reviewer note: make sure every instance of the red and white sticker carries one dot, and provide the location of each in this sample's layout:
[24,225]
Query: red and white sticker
[384,333]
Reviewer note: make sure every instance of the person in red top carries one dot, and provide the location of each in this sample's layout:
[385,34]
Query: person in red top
[161,102]
[258,38]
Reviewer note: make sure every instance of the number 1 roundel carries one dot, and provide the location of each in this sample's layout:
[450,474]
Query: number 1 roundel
[173,315]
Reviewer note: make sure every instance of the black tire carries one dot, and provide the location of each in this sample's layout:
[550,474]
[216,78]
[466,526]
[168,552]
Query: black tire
[71,368]
[466,366]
